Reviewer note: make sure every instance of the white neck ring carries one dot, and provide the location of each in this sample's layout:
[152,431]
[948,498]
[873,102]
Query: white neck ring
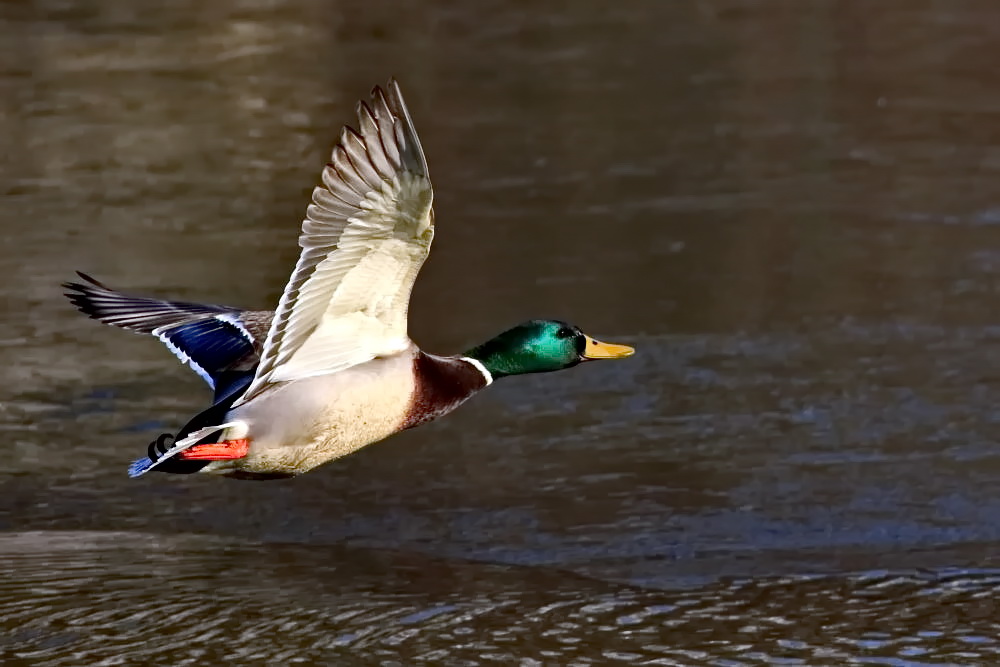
[482,369]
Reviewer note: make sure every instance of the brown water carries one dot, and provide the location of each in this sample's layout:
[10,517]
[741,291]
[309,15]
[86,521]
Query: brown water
[790,208]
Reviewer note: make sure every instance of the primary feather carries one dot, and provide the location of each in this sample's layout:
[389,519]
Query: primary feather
[219,343]
[136,313]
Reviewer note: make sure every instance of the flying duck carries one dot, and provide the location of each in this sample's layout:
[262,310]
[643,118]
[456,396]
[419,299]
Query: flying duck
[332,369]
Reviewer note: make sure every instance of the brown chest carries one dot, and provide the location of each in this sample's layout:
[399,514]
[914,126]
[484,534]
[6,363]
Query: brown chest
[442,384]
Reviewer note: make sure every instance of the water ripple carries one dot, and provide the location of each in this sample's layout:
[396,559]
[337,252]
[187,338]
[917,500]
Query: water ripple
[94,598]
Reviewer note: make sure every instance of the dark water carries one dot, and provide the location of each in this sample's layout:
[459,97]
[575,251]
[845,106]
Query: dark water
[790,209]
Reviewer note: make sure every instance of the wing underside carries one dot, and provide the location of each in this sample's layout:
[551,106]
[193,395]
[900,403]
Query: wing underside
[365,236]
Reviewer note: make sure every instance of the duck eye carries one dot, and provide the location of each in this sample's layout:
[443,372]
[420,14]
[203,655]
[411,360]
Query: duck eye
[565,332]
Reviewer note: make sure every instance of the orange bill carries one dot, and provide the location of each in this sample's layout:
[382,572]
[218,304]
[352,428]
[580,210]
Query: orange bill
[597,350]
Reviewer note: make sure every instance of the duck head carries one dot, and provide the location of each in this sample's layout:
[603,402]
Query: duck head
[542,346]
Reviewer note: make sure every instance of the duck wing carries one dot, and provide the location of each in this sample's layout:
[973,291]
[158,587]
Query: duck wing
[218,342]
[365,236]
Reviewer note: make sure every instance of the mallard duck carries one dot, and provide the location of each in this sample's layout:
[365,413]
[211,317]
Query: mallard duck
[332,369]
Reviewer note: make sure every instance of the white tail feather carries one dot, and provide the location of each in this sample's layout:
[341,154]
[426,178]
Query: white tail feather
[144,465]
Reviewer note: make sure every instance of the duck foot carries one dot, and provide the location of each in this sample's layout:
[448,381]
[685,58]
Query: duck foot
[217,451]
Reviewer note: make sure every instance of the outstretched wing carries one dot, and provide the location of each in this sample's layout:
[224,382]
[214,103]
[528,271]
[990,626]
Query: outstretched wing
[215,341]
[135,313]
[364,239]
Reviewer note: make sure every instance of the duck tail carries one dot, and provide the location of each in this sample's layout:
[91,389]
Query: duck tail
[140,467]
[162,451]
[159,456]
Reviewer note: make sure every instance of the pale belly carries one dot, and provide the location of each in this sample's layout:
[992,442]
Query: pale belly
[294,427]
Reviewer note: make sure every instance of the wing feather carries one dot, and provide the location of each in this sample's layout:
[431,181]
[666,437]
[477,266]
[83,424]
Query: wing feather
[213,340]
[387,134]
[366,235]
[334,181]
[336,210]
[354,153]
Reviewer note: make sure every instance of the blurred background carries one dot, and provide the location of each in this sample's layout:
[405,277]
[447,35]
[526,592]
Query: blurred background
[790,209]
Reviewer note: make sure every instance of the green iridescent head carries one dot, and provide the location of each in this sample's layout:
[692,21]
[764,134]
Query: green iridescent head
[541,346]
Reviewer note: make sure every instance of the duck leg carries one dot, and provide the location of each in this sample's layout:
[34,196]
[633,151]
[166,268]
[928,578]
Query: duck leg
[217,451]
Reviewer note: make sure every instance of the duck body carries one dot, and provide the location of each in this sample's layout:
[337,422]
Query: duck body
[329,416]
[294,426]
[332,368]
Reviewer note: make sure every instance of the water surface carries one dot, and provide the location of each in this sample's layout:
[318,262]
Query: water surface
[789,209]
